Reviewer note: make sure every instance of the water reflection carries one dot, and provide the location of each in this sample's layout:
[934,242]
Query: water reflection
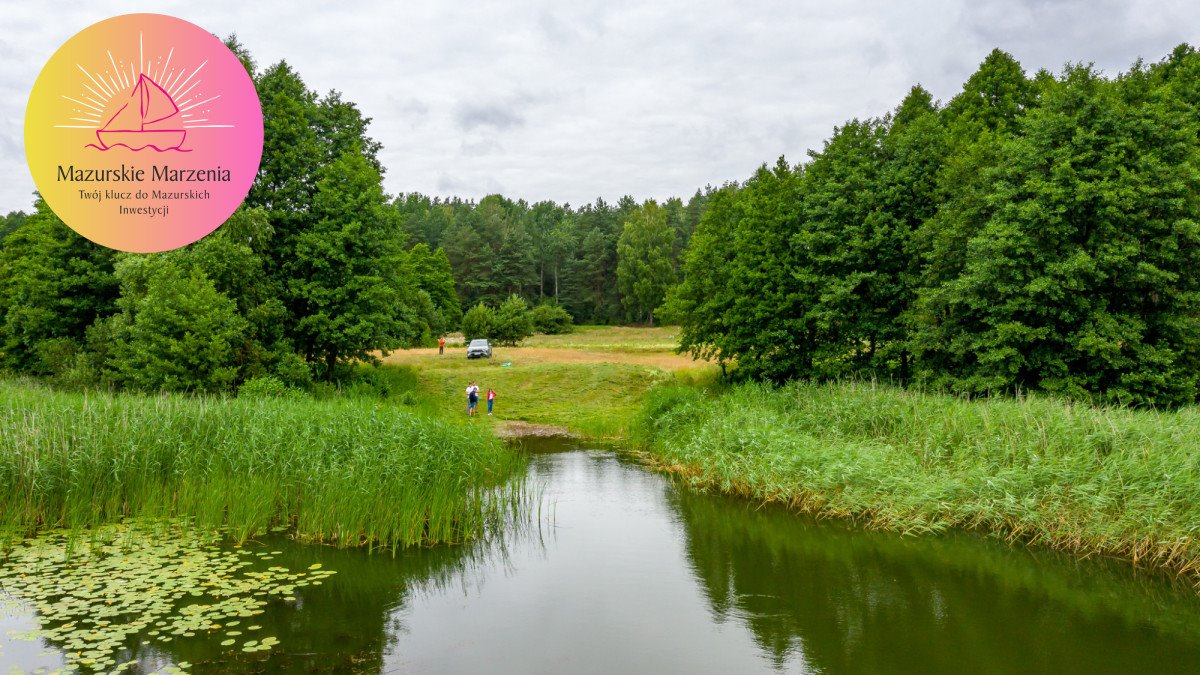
[860,602]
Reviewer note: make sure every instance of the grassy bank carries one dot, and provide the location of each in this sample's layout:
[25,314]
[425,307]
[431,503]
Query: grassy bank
[343,471]
[1092,481]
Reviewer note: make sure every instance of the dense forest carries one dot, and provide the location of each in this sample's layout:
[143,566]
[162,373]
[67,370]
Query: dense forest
[498,247]
[1034,232]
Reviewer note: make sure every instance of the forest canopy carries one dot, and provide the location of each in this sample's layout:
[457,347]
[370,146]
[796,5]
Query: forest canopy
[1034,233]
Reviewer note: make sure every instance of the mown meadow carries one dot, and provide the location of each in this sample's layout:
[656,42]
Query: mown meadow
[590,381]
[343,470]
[1091,480]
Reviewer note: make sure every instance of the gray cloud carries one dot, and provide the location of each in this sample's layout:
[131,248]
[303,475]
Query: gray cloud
[570,101]
[472,116]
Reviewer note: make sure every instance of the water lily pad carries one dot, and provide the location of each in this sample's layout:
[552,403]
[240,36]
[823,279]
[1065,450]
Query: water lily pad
[147,584]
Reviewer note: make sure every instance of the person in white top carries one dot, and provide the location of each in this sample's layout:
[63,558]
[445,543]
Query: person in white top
[472,399]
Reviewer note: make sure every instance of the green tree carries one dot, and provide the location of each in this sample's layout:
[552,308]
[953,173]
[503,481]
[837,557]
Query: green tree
[513,322]
[479,322]
[471,260]
[176,331]
[644,269]
[433,274]
[514,268]
[993,99]
[341,283]
[53,285]
[977,122]
[703,299]
[11,222]
[771,327]
[292,150]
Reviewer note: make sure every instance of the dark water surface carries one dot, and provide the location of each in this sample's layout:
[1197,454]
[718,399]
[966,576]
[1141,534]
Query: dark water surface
[629,574]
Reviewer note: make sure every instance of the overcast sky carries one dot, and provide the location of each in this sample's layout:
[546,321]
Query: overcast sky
[572,100]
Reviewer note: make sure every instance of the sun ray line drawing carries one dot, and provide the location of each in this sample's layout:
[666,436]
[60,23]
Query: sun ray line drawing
[198,69]
[208,126]
[94,101]
[94,80]
[120,73]
[202,102]
[176,80]
[189,89]
[141,54]
[97,94]
[73,126]
[82,103]
[167,63]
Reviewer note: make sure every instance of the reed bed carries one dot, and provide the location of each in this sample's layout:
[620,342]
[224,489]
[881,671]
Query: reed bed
[338,471]
[1094,481]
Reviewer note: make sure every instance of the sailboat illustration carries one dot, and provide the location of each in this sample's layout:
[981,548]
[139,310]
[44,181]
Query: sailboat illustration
[150,119]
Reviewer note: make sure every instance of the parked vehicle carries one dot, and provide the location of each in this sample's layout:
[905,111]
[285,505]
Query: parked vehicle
[479,348]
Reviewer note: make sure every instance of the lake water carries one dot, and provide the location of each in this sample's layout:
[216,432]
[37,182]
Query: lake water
[624,572]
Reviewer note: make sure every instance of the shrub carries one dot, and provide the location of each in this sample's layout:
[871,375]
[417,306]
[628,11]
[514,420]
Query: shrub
[292,370]
[550,319]
[265,387]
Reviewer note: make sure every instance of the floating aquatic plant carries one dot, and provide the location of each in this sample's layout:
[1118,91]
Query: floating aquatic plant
[105,603]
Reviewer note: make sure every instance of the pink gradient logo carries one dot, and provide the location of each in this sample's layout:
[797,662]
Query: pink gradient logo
[143,132]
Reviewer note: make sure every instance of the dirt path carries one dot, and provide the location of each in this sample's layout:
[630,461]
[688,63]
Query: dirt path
[519,429]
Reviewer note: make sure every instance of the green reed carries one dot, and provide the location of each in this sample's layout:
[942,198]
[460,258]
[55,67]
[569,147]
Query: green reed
[1107,481]
[340,471]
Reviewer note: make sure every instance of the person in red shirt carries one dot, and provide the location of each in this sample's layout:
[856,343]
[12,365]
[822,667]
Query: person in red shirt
[491,399]
[441,345]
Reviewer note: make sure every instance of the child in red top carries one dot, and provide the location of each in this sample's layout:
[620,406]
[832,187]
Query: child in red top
[491,398]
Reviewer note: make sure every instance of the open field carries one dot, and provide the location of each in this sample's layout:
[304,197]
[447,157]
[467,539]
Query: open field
[592,380]
[1106,481]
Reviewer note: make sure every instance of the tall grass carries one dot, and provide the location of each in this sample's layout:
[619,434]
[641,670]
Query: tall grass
[344,471]
[1090,480]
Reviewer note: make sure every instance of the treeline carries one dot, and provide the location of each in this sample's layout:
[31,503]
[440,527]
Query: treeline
[1036,233]
[320,269]
[312,273]
[571,257]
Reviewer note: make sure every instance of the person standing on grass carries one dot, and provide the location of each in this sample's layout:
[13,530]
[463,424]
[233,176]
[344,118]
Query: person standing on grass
[441,345]
[491,399]
[472,399]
